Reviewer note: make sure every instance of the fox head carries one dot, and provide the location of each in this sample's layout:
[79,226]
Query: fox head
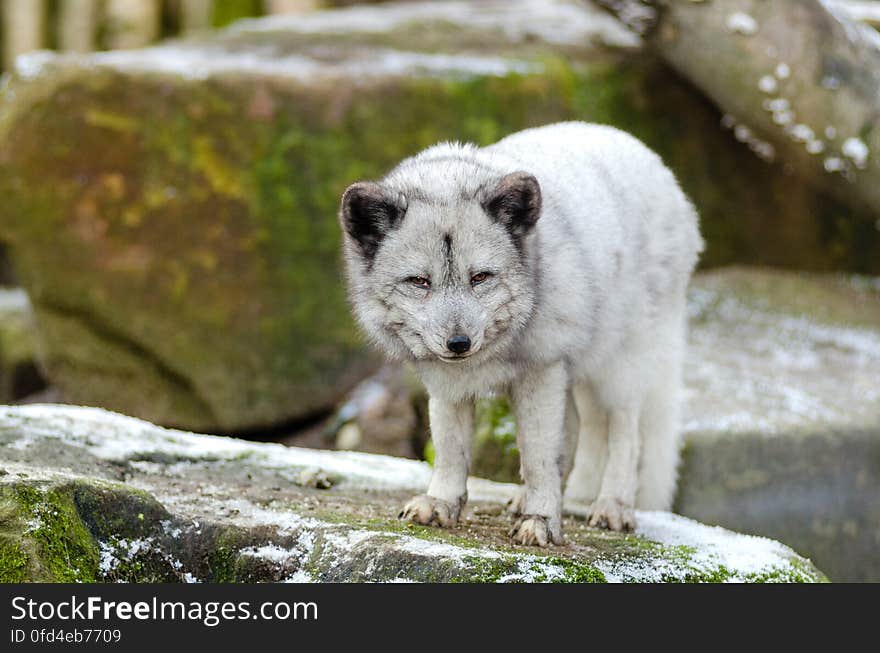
[438,265]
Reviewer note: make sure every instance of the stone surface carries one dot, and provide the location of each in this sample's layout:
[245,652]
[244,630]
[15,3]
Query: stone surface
[386,413]
[19,375]
[87,495]
[171,211]
[782,423]
[783,431]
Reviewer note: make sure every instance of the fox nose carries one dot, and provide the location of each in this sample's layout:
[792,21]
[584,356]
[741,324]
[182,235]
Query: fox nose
[458,344]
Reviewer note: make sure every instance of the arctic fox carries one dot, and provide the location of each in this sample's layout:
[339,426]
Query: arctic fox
[550,266]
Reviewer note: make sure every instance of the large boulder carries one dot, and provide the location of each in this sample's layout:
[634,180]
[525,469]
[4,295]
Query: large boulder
[782,436]
[19,376]
[782,422]
[171,210]
[90,496]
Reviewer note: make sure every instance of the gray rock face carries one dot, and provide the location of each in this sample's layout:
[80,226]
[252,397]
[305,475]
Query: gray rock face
[87,495]
[19,375]
[783,428]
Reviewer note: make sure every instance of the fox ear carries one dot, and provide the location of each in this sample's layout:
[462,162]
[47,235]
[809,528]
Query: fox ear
[368,213]
[515,202]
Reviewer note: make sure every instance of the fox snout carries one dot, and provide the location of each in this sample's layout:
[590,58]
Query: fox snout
[458,344]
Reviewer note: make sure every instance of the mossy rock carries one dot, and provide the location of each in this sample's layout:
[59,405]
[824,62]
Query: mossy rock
[197,508]
[171,211]
[19,375]
[782,421]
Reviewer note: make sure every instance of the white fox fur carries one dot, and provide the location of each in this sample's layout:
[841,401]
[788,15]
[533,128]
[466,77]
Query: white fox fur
[552,267]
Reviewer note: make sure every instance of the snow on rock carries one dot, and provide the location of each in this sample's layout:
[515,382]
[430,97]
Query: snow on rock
[558,23]
[13,300]
[109,436]
[227,513]
[856,150]
[554,21]
[755,366]
[782,71]
[741,23]
[768,84]
[201,63]
[834,164]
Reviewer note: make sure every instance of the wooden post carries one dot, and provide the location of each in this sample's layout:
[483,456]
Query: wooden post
[77,25]
[291,6]
[196,14]
[132,23]
[23,27]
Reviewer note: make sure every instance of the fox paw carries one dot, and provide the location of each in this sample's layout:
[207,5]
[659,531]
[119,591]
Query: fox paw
[534,530]
[611,514]
[430,511]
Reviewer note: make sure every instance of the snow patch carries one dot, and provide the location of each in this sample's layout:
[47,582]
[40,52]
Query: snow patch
[14,300]
[201,62]
[272,553]
[706,550]
[555,21]
[117,551]
[856,150]
[110,436]
[815,146]
[753,370]
[783,71]
[31,64]
[834,164]
[741,23]
[802,133]
[768,84]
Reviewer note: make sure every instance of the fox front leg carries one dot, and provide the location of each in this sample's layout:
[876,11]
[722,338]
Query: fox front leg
[452,426]
[539,404]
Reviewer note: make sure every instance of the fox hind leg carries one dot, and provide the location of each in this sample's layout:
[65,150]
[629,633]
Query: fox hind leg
[585,478]
[659,429]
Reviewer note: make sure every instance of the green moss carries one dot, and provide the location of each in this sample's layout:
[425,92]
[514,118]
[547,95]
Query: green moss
[536,570]
[117,511]
[15,552]
[112,121]
[223,545]
[221,563]
[51,533]
[46,529]
[14,561]
[574,572]
[231,10]
[800,570]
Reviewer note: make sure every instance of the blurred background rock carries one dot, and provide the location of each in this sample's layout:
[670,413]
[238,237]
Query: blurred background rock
[170,248]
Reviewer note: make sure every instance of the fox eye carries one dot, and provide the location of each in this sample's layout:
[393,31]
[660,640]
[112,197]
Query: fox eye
[479,278]
[421,282]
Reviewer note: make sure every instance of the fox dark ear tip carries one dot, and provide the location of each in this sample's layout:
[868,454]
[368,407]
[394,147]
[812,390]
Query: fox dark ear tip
[360,189]
[515,201]
[368,213]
